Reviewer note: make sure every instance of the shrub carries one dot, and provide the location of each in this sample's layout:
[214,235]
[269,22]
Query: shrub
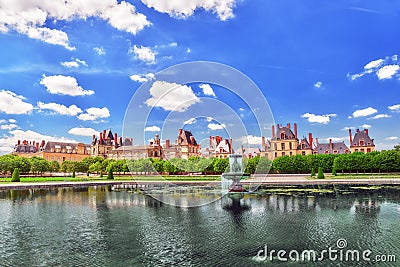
[312,172]
[15,175]
[110,174]
[101,174]
[73,174]
[320,173]
[334,171]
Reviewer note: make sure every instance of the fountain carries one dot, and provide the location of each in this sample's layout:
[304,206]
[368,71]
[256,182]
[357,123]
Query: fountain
[235,174]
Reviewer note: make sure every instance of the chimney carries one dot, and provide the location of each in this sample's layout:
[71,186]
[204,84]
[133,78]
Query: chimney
[131,140]
[288,125]
[273,131]
[19,142]
[366,131]
[167,144]
[104,135]
[37,146]
[120,141]
[33,142]
[43,142]
[330,144]
[115,140]
[351,137]
[101,139]
[263,142]
[310,140]
[210,141]
[295,130]
[316,141]
[230,146]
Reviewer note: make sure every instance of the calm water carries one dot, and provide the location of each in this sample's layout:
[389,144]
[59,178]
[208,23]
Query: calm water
[100,227]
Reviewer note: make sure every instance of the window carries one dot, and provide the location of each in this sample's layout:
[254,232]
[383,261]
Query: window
[283,153]
[275,146]
[362,150]
[291,152]
[303,153]
[290,146]
[282,135]
[283,146]
[356,150]
[368,150]
[326,152]
[361,142]
[276,154]
[335,151]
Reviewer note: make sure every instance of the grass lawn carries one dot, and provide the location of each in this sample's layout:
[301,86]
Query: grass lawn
[116,178]
[359,176]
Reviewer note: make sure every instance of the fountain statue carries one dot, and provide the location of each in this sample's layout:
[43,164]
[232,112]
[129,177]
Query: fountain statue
[234,175]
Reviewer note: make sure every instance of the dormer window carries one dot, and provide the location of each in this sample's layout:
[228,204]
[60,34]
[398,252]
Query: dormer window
[282,135]
[362,142]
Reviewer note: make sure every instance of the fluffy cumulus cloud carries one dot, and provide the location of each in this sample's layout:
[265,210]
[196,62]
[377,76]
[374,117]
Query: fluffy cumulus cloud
[207,90]
[387,72]
[392,138]
[251,140]
[190,121]
[152,129]
[171,96]
[12,121]
[10,126]
[324,119]
[29,17]
[93,114]
[184,9]
[64,85]
[363,112]
[144,54]
[74,63]
[365,126]
[142,78]
[380,116]
[394,107]
[72,110]
[385,68]
[318,85]
[11,103]
[7,142]
[99,51]
[82,131]
[216,126]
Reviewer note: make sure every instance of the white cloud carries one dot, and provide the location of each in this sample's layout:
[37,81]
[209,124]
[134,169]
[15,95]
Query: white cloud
[8,126]
[142,78]
[11,103]
[152,129]
[324,119]
[380,116]
[373,64]
[336,139]
[387,72]
[29,17]
[251,140]
[64,85]
[347,128]
[184,9]
[190,121]
[207,90]
[99,51]
[93,114]
[188,51]
[241,109]
[171,96]
[318,85]
[174,44]
[72,110]
[74,64]
[12,121]
[392,138]
[215,126]
[364,112]
[7,142]
[394,107]
[144,54]
[365,126]
[82,131]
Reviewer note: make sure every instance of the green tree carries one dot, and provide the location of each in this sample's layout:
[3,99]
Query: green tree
[15,175]
[110,175]
[334,171]
[54,166]
[220,165]
[320,173]
[39,165]
[73,174]
[312,172]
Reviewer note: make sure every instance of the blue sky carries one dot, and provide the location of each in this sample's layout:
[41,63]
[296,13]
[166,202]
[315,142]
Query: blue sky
[70,68]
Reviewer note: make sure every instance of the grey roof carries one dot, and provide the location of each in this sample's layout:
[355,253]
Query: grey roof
[50,144]
[25,148]
[305,142]
[288,134]
[340,147]
[362,135]
[185,138]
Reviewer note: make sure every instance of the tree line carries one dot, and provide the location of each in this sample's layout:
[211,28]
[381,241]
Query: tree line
[384,161]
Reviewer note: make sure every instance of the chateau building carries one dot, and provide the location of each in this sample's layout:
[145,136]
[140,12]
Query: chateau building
[361,142]
[219,147]
[331,148]
[186,145]
[285,142]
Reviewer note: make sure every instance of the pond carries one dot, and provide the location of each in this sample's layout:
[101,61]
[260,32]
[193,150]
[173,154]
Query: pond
[97,226]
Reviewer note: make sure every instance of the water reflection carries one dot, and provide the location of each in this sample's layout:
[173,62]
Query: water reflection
[97,226]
